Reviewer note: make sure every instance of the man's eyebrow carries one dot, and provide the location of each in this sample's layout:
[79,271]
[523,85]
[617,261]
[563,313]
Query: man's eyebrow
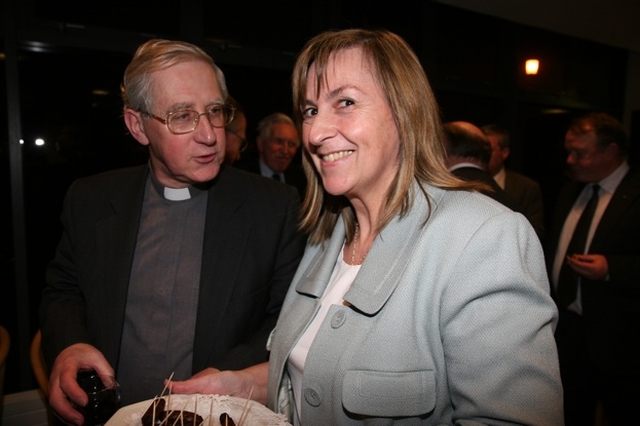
[180,105]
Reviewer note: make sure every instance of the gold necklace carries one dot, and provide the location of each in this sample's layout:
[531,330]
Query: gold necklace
[355,246]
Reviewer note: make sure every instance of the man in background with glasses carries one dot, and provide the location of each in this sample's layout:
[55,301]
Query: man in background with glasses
[236,133]
[176,266]
[593,258]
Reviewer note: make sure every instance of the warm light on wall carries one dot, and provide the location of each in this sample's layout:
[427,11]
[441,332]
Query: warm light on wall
[531,66]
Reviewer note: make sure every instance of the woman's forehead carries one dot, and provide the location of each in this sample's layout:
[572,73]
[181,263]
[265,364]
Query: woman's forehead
[340,68]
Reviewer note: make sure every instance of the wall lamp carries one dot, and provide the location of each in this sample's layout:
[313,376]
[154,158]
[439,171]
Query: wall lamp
[531,66]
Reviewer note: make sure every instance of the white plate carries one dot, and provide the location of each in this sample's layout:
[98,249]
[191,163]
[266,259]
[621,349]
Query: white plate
[257,414]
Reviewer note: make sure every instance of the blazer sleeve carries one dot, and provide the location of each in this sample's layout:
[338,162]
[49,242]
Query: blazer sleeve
[83,300]
[498,326]
[62,309]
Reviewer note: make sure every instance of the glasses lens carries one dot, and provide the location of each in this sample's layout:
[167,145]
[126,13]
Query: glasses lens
[220,115]
[182,121]
[230,113]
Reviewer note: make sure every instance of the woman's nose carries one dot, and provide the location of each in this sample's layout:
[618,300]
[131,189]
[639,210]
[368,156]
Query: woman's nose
[319,129]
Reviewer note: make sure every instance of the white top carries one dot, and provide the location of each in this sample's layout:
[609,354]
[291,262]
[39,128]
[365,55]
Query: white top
[608,186]
[341,278]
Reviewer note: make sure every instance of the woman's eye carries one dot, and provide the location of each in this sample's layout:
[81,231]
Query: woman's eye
[345,103]
[309,112]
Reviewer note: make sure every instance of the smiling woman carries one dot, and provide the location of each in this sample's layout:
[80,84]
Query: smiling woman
[65,60]
[398,257]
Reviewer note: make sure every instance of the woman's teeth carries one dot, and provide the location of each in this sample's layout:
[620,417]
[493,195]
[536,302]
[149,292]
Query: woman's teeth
[336,156]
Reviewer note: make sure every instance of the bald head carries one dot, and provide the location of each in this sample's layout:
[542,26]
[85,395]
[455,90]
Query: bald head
[466,143]
[467,127]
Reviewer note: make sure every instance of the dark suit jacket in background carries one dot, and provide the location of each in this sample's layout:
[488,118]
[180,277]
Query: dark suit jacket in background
[527,193]
[610,308]
[251,250]
[498,194]
[294,175]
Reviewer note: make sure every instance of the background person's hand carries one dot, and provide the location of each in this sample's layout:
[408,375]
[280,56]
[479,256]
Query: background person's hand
[590,266]
[62,380]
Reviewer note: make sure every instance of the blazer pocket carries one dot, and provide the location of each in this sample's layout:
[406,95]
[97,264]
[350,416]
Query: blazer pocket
[389,394]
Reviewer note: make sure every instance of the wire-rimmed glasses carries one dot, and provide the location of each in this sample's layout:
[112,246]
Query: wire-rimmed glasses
[244,143]
[186,120]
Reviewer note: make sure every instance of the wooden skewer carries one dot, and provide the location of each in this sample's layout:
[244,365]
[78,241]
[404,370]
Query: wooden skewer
[210,409]
[245,409]
[170,392]
[181,416]
[195,411]
[153,414]
[165,386]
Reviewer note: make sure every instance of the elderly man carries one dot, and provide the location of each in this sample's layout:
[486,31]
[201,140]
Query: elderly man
[277,145]
[174,267]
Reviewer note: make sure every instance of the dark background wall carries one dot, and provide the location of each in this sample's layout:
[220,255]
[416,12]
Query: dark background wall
[63,63]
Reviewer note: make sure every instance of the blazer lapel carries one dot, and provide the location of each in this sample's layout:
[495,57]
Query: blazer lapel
[385,262]
[390,254]
[116,235]
[226,235]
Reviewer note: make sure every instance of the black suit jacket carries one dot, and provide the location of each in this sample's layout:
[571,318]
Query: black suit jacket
[610,308]
[250,252]
[497,193]
[528,194]
[294,175]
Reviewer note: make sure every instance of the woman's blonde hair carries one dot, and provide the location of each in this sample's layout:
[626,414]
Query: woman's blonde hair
[422,152]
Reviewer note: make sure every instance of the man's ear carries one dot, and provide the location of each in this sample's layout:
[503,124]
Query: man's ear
[133,120]
[505,153]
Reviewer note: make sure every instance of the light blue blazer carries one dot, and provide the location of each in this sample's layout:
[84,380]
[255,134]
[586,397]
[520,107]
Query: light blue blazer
[447,323]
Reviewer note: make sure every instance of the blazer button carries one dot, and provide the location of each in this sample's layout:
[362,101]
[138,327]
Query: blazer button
[312,396]
[338,319]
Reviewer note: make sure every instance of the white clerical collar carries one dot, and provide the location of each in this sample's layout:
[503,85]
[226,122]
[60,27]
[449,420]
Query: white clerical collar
[176,194]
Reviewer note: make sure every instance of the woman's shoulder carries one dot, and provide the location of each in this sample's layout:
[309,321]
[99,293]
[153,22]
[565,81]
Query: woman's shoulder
[464,203]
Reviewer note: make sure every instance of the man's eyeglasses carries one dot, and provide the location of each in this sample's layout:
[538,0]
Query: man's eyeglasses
[185,120]
[243,142]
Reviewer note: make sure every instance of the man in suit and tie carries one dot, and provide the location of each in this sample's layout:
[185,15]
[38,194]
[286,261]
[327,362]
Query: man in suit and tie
[277,145]
[595,281]
[468,153]
[524,190]
[176,266]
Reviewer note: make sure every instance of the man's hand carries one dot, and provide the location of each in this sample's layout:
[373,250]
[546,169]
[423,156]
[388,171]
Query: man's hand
[62,380]
[590,266]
